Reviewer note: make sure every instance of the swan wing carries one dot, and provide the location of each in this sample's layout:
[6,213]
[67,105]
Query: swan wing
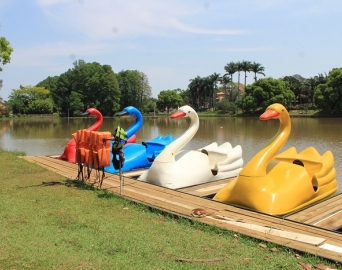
[223,154]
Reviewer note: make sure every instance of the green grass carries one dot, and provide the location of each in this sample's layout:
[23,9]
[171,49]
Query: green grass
[73,226]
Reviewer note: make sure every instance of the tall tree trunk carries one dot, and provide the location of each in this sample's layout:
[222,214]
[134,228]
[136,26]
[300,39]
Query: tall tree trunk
[238,83]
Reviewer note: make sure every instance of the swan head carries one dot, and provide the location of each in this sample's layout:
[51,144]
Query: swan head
[184,111]
[275,111]
[92,111]
[130,110]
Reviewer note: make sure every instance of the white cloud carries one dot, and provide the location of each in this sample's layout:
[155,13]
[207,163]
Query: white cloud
[50,2]
[41,55]
[246,49]
[108,19]
[187,28]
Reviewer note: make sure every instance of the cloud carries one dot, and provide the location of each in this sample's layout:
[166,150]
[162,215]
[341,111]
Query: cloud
[187,28]
[248,49]
[113,19]
[51,2]
[41,55]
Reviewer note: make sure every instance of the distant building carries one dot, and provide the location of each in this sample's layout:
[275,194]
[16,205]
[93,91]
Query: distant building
[3,109]
[221,95]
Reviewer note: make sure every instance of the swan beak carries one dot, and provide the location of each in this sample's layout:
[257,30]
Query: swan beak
[269,114]
[178,114]
[85,113]
[122,113]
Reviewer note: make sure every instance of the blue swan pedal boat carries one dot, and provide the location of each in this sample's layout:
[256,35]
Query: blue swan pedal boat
[138,155]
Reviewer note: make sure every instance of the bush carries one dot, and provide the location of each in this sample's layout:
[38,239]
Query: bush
[226,107]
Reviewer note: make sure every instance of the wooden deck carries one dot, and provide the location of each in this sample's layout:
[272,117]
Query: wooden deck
[313,230]
[326,214]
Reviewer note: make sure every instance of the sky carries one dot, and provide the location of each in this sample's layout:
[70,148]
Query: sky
[171,41]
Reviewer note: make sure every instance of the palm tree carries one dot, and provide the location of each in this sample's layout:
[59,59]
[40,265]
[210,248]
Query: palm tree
[321,79]
[312,83]
[224,80]
[207,89]
[245,67]
[257,69]
[194,87]
[214,79]
[238,69]
[231,68]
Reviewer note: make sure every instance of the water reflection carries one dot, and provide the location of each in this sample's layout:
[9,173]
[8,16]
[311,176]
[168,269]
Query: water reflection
[49,136]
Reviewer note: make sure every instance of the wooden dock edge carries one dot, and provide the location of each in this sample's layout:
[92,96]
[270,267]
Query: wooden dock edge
[289,233]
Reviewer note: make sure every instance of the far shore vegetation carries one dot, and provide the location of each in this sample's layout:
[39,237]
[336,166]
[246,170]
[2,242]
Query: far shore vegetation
[94,85]
[304,112]
[51,222]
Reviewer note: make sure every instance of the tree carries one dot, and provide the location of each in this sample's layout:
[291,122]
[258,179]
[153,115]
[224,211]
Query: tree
[312,83]
[90,84]
[5,53]
[146,88]
[131,84]
[149,106]
[266,91]
[328,96]
[50,83]
[257,68]
[30,99]
[297,86]
[169,99]
[185,94]
[231,68]
[225,80]
[98,86]
[194,88]
[245,67]
[226,106]
[41,106]
[75,103]
[214,78]
[239,69]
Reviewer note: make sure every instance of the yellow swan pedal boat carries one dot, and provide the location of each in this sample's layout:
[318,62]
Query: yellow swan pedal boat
[280,184]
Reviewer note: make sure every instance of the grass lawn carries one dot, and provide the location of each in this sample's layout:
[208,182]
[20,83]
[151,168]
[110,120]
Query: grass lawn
[72,226]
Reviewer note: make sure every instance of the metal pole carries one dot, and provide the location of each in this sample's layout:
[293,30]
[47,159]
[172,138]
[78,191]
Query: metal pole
[120,175]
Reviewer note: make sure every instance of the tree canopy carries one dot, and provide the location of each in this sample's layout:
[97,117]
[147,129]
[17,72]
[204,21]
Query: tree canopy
[5,53]
[266,91]
[31,100]
[86,85]
[169,99]
[135,89]
[329,95]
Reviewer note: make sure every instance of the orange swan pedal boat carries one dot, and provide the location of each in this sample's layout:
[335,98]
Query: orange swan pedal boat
[69,153]
[278,185]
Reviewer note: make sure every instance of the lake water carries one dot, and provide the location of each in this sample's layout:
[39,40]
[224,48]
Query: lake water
[49,136]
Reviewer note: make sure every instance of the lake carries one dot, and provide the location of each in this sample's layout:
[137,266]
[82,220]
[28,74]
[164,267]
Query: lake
[49,136]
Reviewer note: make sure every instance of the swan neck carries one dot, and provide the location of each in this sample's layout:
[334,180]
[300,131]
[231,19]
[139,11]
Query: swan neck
[136,126]
[168,154]
[258,164]
[98,123]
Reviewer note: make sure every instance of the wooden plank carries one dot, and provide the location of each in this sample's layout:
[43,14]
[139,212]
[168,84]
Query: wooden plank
[134,173]
[319,211]
[331,222]
[109,177]
[207,189]
[255,224]
[188,204]
[312,240]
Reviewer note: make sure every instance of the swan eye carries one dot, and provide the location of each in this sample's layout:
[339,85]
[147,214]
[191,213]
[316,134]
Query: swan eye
[189,112]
